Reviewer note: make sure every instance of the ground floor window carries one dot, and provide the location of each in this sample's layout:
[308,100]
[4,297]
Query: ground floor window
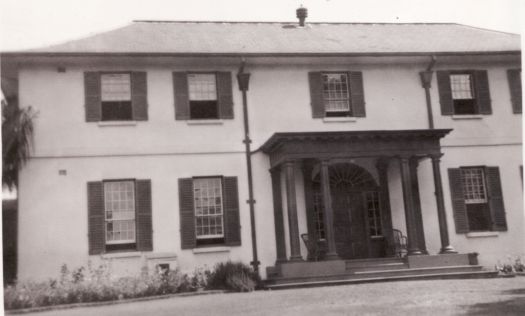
[119,201]
[207,195]
[477,199]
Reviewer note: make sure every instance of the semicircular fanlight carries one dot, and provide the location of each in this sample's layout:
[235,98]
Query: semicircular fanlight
[349,175]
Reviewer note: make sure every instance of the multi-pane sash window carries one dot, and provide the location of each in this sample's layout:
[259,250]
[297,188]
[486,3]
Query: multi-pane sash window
[336,94]
[203,96]
[207,194]
[462,89]
[473,185]
[374,214]
[475,196]
[119,198]
[116,96]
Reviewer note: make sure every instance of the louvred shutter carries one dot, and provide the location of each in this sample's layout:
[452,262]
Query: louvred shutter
[497,208]
[232,226]
[92,96]
[180,90]
[357,94]
[458,202]
[144,215]
[96,220]
[225,95]
[316,94]
[187,216]
[139,96]
[445,93]
[514,77]
[481,81]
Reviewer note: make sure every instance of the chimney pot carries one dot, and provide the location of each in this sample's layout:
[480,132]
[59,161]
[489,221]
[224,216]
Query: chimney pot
[302,13]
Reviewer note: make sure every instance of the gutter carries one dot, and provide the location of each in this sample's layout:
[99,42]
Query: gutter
[243,79]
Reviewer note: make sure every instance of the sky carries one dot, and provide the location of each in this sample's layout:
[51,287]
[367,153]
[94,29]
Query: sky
[35,23]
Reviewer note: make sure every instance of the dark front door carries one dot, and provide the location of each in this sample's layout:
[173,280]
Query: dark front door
[350,231]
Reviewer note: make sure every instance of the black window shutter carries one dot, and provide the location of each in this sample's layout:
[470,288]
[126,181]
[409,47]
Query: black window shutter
[316,94]
[458,203]
[225,95]
[180,90]
[445,93]
[232,226]
[96,218]
[92,96]
[357,95]
[481,80]
[497,208]
[139,95]
[187,215]
[514,77]
[144,221]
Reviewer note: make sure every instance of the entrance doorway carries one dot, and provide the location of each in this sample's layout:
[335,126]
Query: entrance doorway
[358,229]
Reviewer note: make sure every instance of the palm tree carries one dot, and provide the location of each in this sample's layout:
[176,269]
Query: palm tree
[17,139]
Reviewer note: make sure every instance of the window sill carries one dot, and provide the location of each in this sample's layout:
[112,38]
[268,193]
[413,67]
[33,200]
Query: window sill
[339,119]
[482,234]
[162,255]
[205,122]
[211,250]
[467,117]
[117,123]
[121,255]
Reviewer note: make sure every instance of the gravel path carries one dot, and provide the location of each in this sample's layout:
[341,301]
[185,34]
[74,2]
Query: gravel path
[438,297]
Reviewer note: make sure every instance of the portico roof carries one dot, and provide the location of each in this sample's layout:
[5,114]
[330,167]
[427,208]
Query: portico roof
[343,144]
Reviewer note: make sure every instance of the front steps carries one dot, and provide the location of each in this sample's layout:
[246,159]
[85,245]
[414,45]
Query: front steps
[308,274]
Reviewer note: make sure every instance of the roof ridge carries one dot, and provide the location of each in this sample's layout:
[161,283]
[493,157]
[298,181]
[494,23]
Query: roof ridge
[288,22]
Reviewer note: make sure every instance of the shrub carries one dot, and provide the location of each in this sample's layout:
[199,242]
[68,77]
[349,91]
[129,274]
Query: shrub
[91,285]
[233,276]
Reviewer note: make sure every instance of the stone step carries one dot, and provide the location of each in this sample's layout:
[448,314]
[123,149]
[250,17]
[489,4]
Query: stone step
[375,274]
[378,267]
[430,276]
[359,263]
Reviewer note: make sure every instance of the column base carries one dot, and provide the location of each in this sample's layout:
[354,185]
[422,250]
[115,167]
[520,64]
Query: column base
[447,249]
[331,256]
[414,252]
[296,259]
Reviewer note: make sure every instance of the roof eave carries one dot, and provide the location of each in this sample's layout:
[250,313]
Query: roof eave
[251,54]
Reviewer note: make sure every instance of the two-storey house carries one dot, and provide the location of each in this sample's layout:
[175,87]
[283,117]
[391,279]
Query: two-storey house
[360,135]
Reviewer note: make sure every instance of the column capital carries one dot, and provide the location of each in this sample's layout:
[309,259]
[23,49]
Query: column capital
[414,161]
[275,169]
[404,158]
[324,161]
[436,156]
[382,163]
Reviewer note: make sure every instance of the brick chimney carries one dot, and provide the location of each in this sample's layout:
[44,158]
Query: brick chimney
[302,13]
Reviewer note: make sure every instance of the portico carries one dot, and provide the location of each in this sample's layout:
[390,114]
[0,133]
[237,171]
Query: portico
[335,186]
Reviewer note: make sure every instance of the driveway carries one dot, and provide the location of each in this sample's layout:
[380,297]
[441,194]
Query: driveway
[439,297]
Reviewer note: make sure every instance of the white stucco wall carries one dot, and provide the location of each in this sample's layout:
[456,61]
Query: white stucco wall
[53,208]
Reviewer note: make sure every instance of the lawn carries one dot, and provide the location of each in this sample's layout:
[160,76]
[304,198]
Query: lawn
[439,297]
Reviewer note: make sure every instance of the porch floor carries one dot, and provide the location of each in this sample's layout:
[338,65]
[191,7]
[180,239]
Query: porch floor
[307,274]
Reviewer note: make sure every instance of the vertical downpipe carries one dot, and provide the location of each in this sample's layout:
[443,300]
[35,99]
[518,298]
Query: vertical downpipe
[243,80]
[426,80]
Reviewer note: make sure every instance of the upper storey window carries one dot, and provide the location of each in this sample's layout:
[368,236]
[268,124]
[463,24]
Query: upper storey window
[514,77]
[203,96]
[464,92]
[116,97]
[337,94]
[119,96]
